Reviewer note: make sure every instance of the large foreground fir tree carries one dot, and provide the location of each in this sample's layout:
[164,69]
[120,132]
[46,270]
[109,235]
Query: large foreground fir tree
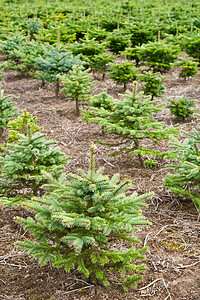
[86,222]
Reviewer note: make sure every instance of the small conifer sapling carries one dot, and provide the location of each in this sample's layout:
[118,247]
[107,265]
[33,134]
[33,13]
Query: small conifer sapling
[24,124]
[7,110]
[158,55]
[77,85]
[182,108]
[132,120]
[188,67]
[124,73]
[101,62]
[153,84]
[26,155]
[101,100]
[53,63]
[185,180]
[80,222]
[118,41]
[87,48]
[24,55]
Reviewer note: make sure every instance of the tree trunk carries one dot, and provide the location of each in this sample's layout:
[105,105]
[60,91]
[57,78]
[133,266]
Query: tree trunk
[1,132]
[136,142]
[57,88]
[141,160]
[136,62]
[42,84]
[77,108]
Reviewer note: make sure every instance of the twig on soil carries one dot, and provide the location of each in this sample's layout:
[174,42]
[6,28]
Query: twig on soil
[187,266]
[160,230]
[11,297]
[107,162]
[154,265]
[78,290]
[146,239]
[165,285]
[157,204]
[78,279]
[13,265]
[156,173]
[10,256]
[3,281]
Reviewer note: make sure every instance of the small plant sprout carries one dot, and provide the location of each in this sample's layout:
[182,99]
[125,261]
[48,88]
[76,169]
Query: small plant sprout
[151,163]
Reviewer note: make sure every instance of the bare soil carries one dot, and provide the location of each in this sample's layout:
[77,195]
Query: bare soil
[173,239]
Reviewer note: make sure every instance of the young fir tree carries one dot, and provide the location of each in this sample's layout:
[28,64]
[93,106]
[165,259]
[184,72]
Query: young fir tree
[25,55]
[188,67]
[133,120]
[26,156]
[7,110]
[23,124]
[158,55]
[2,67]
[182,108]
[79,223]
[87,48]
[55,62]
[142,34]
[118,40]
[77,85]
[185,181]
[132,53]
[98,34]
[101,100]
[124,73]
[33,29]
[101,62]
[190,44]
[49,34]
[153,84]
[8,46]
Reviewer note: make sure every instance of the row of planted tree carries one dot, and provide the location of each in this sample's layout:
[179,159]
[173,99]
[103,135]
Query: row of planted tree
[32,53]
[46,62]
[55,64]
[123,23]
[76,221]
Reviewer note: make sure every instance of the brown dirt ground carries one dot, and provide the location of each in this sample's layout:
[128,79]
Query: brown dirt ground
[173,256]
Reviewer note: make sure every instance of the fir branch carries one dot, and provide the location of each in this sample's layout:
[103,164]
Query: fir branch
[121,187]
